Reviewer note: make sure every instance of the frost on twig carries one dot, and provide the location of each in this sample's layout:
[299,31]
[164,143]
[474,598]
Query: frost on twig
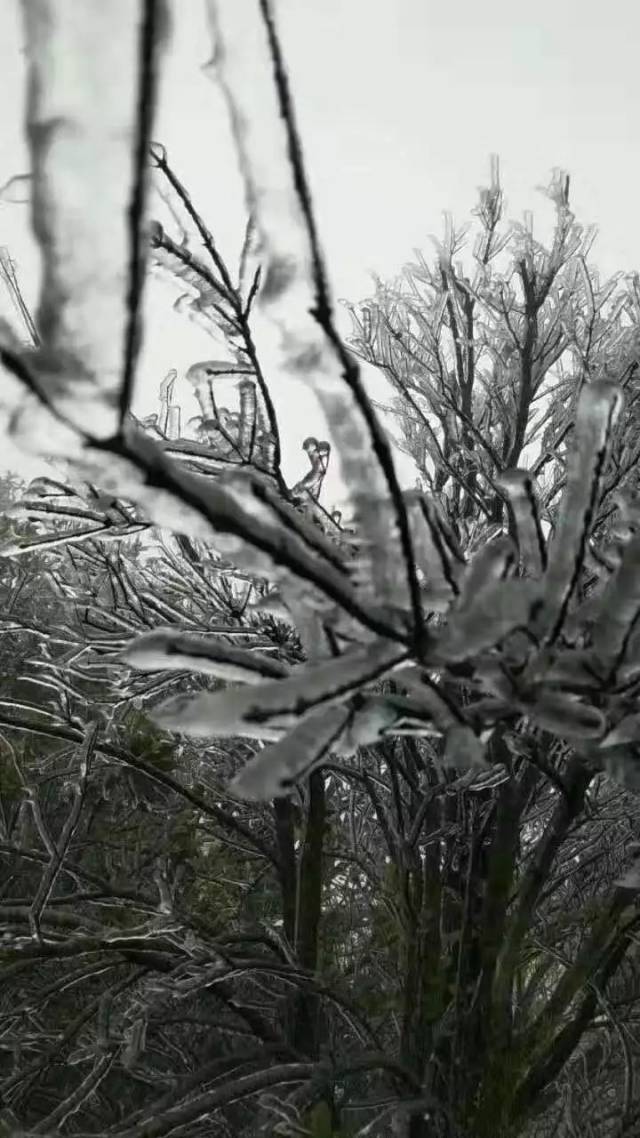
[294,293]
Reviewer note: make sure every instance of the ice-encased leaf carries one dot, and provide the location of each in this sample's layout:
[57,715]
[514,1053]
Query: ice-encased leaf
[598,410]
[195,715]
[619,607]
[571,670]
[309,686]
[376,715]
[274,771]
[497,610]
[437,555]
[87,136]
[260,500]
[622,764]
[49,487]
[234,515]
[171,650]
[566,716]
[627,730]
[294,294]
[429,697]
[492,564]
[518,486]
[373,717]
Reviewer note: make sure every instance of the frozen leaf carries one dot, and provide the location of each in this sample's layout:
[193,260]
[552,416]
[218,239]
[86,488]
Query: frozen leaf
[566,716]
[294,293]
[428,696]
[599,408]
[622,764]
[88,141]
[259,499]
[483,622]
[571,669]
[274,771]
[308,687]
[167,649]
[371,718]
[619,608]
[626,731]
[48,487]
[436,600]
[245,521]
[491,565]
[436,553]
[49,541]
[196,715]
[518,486]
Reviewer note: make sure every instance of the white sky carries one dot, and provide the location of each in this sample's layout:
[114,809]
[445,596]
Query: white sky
[400,103]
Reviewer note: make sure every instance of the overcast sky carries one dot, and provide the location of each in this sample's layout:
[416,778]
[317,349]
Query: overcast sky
[400,103]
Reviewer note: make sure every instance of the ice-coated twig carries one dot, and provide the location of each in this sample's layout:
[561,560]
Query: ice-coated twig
[294,293]
[88,139]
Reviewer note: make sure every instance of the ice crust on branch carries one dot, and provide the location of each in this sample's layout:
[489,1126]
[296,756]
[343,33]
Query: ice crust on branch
[88,137]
